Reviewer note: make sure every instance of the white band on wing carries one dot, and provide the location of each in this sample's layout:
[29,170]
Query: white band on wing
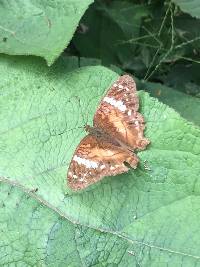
[86,162]
[116,103]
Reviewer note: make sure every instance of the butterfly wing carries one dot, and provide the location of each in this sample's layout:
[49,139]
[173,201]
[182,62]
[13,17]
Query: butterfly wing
[118,116]
[95,158]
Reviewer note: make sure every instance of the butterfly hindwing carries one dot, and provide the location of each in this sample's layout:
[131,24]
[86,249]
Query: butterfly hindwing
[118,114]
[96,158]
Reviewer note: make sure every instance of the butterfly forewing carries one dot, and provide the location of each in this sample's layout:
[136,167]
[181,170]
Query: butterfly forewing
[118,114]
[96,158]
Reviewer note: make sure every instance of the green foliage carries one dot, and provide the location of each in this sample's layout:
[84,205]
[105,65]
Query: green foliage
[120,18]
[147,217]
[41,28]
[129,213]
[148,39]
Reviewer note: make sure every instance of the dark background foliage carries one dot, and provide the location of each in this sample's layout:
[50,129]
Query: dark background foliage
[153,40]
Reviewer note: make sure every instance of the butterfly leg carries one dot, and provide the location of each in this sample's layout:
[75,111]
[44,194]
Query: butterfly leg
[132,160]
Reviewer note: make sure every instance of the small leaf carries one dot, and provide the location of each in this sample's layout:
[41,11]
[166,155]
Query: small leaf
[39,28]
[191,7]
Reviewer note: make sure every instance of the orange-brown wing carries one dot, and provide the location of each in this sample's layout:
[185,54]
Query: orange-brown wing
[118,115]
[95,158]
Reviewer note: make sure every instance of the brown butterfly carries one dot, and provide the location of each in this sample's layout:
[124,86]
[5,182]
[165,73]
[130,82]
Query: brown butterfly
[117,131]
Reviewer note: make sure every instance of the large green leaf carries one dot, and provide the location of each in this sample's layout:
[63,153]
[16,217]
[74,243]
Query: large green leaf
[41,28]
[147,217]
[36,236]
[191,7]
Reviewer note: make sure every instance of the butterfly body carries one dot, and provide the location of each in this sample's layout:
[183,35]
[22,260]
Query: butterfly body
[116,133]
[100,135]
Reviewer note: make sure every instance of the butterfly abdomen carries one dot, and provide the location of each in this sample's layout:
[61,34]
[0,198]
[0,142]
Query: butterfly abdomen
[101,135]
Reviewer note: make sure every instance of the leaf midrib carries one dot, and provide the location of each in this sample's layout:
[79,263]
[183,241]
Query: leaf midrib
[63,215]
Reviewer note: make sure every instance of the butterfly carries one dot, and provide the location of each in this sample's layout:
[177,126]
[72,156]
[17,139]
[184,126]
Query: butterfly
[118,130]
